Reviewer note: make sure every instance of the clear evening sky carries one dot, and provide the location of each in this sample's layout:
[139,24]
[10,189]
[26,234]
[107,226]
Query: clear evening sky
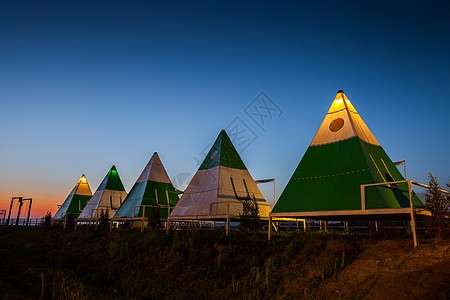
[88,84]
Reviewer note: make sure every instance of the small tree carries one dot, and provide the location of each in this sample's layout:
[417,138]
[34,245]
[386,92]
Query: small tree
[154,220]
[104,219]
[47,219]
[249,218]
[70,220]
[439,206]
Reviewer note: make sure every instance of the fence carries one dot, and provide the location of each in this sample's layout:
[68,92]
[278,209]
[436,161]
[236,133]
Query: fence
[23,222]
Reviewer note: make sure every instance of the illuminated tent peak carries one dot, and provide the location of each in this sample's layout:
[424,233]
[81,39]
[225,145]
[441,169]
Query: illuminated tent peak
[82,187]
[343,155]
[76,201]
[342,122]
[221,181]
[108,196]
[151,188]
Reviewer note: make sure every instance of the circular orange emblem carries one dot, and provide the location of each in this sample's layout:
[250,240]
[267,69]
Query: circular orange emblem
[337,124]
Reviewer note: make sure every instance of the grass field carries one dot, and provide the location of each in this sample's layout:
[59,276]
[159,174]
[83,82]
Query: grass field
[51,263]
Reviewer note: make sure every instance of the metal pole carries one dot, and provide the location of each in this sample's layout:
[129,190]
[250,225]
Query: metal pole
[10,208]
[18,213]
[274,191]
[413,219]
[29,210]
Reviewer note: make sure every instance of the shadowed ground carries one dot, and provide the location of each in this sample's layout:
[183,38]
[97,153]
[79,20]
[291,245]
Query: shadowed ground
[88,264]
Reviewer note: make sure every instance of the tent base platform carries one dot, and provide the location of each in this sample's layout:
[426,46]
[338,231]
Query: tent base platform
[405,213]
[354,215]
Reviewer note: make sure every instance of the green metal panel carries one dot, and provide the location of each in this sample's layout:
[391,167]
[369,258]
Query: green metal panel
[329,178]
[223,153]
[77,204]
[114,183]
[143,193]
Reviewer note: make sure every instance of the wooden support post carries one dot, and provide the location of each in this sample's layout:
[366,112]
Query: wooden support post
[168,213]
[143,218]
[227,225]
[270,228]
[325,225]
[111,225]
[363,198]
[413,218]
[304,225]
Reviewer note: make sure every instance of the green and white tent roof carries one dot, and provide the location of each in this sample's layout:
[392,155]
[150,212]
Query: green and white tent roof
[222,181]
[109,196]
[343,155]
[152,188]
[76,201]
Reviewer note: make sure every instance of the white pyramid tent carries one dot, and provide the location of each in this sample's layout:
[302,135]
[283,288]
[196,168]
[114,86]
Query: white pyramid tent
[76,201]
[151,189]
[108,197]
[219,186]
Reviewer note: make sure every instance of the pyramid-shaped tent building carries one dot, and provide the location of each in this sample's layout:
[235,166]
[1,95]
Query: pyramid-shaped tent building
[219,186]
[343,155]
[108,197]
[151,189]
[76,201]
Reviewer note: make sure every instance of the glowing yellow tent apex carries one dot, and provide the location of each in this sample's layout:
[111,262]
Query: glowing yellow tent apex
[82,187]
[341,123]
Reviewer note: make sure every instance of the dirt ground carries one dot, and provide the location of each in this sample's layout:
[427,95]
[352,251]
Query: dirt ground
[393,270]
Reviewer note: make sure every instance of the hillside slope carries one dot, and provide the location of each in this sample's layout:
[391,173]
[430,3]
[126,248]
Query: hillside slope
[88,264]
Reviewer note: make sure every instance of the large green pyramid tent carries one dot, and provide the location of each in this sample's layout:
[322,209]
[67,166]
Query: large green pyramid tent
[218,187]
[343,155]
[151,188]
[76,201]
[109,196]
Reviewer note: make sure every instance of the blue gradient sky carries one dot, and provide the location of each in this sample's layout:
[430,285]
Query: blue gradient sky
[86,85]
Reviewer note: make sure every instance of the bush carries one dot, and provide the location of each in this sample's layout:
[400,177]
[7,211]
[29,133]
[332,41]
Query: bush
[47,219]
[70,220]
[249,219]
[154,220]
[104,219]
[439,206]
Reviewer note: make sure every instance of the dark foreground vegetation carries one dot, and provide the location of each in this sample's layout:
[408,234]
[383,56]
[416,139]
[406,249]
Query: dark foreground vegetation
[51,263]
